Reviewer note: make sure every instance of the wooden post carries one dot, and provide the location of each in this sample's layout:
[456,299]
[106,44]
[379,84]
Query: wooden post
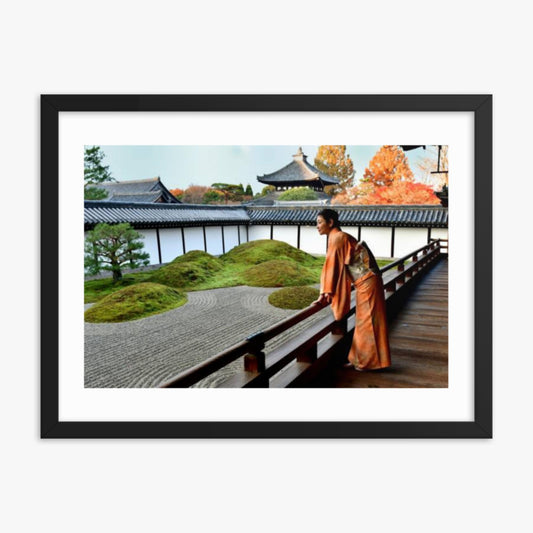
[309,356]
[254,361]
[158,244]
[401,268]
[340,327]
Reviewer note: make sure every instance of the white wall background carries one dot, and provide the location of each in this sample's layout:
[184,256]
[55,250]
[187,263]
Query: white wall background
[213,238]
[378,486]
[150,244]
[288,234]
[171,244]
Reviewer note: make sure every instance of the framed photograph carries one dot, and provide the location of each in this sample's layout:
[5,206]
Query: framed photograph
[150,371]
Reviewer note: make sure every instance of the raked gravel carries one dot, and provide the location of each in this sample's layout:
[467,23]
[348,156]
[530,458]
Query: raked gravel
[152,350]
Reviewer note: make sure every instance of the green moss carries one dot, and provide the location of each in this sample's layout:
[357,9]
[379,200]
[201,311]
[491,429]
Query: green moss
[137,301]
[188,270]
[298,194]
[255,252]
[279,273]
[97,289]
[294,297]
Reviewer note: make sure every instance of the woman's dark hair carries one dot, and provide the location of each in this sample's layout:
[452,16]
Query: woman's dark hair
[330,214]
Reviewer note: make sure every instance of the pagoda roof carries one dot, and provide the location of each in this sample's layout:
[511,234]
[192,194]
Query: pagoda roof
[299,171]
[149,190]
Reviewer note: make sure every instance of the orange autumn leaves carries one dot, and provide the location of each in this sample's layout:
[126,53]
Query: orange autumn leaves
[387,180]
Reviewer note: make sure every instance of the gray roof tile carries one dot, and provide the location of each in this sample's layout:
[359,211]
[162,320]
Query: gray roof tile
[150,215]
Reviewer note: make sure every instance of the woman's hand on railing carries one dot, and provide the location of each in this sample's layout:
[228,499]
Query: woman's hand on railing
[323,299]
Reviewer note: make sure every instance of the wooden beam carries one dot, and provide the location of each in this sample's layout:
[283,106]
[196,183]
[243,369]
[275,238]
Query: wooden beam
[158,244]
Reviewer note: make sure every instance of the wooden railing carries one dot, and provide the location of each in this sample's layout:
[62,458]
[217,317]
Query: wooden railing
[308,358]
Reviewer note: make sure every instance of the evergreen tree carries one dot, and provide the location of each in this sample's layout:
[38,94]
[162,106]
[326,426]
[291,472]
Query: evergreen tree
[109,247]
[249,191]
[298,194]
[95,173]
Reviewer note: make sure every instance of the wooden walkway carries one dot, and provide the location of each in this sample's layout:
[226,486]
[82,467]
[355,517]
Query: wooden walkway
[418,339]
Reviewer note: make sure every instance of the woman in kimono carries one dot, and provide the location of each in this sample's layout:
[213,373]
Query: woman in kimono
[348,261]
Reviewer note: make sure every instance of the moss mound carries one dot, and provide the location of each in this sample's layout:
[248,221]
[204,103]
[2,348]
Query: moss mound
[256,252]
[137,301]
[279,273]
[100,288]
[294,297]
[187,270]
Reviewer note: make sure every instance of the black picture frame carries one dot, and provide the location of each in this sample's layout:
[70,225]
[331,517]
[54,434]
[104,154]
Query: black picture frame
[53,105]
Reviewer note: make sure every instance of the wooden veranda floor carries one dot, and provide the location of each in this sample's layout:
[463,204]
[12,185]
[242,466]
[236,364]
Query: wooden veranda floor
[418,340]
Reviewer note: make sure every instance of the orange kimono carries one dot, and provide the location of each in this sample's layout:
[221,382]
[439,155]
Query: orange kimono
[348,262]
[335,278]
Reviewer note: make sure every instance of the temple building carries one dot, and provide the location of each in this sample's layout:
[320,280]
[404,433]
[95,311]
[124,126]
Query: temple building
[298,173]
[138,191]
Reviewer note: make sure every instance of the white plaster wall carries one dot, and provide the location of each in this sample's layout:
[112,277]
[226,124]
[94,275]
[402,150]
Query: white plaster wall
[311,242]
[150,244]
[288,234]
[243,234]
[259,232]
[439,233]
[194,239]
[213,237]
[351,230]
[231,237]
[171,244]
[408,239]
[379,240]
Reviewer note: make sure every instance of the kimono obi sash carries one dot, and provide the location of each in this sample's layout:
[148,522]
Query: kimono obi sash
[361,262]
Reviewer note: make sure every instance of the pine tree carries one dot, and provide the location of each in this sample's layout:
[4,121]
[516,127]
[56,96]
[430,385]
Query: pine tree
[109,247]
[95,173]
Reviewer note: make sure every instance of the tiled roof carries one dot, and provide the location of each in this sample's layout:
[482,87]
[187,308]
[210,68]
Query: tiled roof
[162,215]
[147,190]
[297,171]
[144,198]
[176,215]
[367,215]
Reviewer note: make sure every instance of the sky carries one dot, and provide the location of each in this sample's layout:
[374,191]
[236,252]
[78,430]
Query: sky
[181,166]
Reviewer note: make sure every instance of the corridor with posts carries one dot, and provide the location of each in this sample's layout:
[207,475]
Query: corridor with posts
[416,287]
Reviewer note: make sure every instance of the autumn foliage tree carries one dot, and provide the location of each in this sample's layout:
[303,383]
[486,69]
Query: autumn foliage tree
[177,193]
[388,165]
[388,180]
[335,162]
[194,194]
[432,169]
[399,193]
